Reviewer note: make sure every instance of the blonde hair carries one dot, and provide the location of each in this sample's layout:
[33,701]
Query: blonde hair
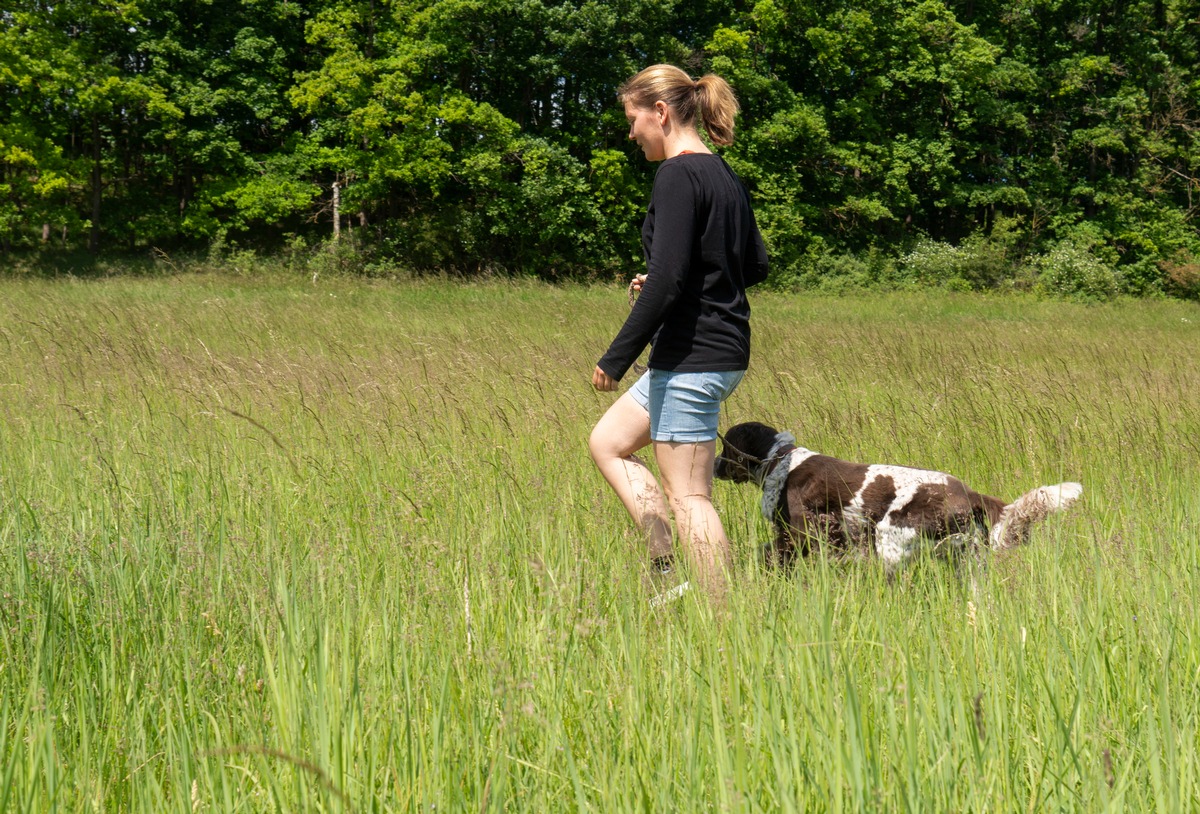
[709,96]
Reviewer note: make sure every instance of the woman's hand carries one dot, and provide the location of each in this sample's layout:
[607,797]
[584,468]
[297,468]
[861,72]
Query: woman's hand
[602,381]
[635,287]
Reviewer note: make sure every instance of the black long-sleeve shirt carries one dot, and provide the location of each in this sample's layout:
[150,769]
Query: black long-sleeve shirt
[703,249]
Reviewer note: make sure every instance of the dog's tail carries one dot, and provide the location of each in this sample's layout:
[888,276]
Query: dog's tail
[1012,529]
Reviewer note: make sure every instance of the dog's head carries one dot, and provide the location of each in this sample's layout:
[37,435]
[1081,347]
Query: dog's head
[744,452]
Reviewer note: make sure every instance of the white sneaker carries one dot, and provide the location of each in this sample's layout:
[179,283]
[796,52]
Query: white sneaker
[667,597]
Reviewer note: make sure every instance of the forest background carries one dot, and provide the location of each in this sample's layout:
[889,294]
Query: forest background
[973,144]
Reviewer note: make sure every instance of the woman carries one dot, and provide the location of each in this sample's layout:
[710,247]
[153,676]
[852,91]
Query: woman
[702,250]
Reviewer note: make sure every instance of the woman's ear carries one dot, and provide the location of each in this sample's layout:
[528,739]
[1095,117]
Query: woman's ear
[663,111]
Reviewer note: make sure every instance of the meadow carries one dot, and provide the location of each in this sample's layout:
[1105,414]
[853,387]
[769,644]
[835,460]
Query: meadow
[285,545]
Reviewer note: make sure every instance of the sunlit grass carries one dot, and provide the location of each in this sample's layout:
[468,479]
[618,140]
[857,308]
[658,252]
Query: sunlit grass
[281,546]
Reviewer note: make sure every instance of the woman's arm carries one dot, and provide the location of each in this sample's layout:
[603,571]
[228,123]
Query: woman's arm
[672,244]
[756,265]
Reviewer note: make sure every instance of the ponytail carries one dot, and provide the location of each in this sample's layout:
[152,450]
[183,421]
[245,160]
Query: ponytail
[710,97]
[718,107]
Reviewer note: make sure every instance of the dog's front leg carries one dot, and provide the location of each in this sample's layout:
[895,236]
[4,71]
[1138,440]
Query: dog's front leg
[780,552]
[801,534]
[893,545]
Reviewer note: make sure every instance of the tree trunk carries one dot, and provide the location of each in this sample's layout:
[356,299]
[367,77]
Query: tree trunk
[94,236]
[337,213]
[185,186]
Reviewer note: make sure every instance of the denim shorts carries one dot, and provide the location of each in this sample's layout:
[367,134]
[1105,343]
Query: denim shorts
[684,407]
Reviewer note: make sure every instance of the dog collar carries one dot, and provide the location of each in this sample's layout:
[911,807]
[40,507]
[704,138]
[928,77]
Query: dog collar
[773,483]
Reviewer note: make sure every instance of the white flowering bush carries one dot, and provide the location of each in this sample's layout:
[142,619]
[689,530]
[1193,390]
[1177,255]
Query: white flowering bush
[979,262]
[1071,269]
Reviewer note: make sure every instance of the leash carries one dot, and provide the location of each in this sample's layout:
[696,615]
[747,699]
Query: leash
[790,439]
[638,369]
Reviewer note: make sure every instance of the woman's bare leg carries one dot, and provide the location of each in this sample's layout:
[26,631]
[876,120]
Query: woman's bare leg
[687,474]
[621,432]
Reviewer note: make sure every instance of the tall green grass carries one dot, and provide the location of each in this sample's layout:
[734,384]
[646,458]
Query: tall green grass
[275,546]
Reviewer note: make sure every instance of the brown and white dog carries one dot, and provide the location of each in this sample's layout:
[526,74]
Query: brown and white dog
[814,500]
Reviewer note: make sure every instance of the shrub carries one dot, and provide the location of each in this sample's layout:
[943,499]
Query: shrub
[1071,269]
[981,261]
[824,269]
[1181,276]
[934,263]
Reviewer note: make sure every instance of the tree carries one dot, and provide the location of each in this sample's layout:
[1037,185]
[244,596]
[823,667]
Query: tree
[485,134]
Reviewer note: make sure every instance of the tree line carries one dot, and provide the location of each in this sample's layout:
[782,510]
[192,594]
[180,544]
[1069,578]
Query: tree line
[481,135]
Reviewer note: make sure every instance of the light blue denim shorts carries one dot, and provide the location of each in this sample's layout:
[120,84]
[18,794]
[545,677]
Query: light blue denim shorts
[684,407]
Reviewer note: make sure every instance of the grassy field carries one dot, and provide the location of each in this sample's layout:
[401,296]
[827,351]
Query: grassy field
[276,546]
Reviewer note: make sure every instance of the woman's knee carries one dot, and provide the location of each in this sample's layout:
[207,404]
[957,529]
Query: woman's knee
[605,449]
[600,445]
[621,431]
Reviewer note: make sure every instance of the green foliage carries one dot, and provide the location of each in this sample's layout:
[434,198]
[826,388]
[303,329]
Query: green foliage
[835,271]
[470,135]
[980,262]
[934,263]
[1072,269]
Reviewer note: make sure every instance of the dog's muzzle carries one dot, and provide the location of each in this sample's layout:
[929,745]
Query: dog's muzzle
[730,469]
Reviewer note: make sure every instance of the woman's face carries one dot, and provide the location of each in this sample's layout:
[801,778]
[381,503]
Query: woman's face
[645,127]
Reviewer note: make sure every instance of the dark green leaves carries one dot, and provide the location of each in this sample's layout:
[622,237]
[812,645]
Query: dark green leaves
[486,133]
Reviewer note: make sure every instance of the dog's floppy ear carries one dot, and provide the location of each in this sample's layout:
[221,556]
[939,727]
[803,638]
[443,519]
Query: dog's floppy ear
[752,439]
[735,446]
[745,445]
